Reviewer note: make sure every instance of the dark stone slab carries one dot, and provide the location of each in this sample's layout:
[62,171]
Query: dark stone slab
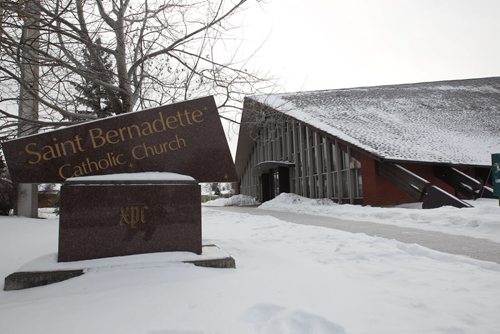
[30,279]
[104,220]
[185,138]
[219,262]
[223,263]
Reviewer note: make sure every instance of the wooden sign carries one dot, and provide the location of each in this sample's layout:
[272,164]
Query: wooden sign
[185,138]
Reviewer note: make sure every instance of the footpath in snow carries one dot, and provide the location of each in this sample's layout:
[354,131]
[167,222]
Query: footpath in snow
[481,221]
[290,279]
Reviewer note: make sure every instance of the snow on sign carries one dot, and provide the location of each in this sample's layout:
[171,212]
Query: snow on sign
[185,138]
[495,158]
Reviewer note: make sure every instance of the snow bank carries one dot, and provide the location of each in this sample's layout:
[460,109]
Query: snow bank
[236,200]
[482,221]
[285,199]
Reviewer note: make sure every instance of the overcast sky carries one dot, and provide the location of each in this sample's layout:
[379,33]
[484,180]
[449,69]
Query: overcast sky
[327,44]
[320,44]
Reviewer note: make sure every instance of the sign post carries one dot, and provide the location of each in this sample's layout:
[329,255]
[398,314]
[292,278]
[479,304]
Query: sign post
[495,159]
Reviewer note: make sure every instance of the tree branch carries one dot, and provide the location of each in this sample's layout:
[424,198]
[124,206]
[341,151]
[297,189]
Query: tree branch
[187,37]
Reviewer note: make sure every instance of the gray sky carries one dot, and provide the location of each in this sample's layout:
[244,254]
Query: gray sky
[320,44]
[327,44]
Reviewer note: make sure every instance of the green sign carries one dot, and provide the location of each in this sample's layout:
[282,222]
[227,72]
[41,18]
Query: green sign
[495,158]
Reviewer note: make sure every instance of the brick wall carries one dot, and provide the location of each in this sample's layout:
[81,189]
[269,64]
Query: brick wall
[378,191]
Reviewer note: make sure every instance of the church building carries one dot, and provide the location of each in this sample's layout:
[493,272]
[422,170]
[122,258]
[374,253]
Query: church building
[425,142]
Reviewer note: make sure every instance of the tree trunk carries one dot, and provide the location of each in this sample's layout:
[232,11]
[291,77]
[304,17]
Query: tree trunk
[27,193]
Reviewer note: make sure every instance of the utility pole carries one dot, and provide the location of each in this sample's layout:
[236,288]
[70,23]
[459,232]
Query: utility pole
[27,193]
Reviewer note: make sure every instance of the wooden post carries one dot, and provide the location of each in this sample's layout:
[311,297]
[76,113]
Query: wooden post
[319,164]
[329,179]
[310,163]
[303,163]
[296,158]
[338,169]
[350,181]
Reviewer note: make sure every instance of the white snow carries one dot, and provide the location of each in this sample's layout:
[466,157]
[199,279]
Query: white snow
[236,200]
[481,221]
[289,279]
[144,176]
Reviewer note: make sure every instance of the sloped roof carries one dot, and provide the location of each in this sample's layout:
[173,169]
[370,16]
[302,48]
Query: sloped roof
[451,122]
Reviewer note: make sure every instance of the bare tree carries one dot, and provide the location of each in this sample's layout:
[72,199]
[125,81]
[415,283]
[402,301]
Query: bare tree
[136,54]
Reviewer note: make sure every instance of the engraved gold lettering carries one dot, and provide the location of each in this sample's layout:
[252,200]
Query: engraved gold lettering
[61,171]
[88,166]
[78,141]
[179,119]
[112,137]
[197,116]
[176,144]
[28,149]
[132,215]
[49,153]
[171,122]
[119,160]
[147,129]
[160,124]
[55,150]
[143,151]
[137,130]
[78,171]
[97,138]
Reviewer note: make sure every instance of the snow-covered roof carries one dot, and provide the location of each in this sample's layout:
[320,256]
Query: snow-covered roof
[453,122]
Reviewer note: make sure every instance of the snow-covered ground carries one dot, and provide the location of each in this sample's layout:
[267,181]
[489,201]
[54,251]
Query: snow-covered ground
[482,221]
[289,279]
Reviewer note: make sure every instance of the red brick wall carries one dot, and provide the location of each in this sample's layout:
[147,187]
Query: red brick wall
[377,191]
[427,172]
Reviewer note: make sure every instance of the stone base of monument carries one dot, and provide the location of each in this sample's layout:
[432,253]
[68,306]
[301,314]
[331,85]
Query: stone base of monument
[46,270]
[124,214]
